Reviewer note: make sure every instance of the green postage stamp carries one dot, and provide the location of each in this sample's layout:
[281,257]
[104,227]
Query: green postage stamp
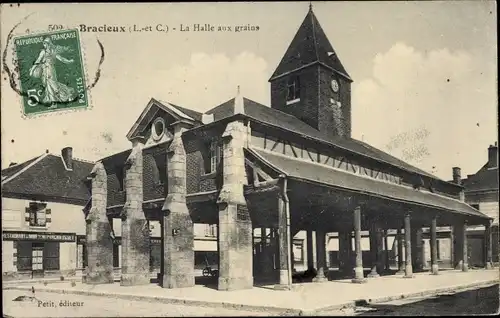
[51,73]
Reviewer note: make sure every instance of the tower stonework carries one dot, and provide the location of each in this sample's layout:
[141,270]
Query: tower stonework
[310,82]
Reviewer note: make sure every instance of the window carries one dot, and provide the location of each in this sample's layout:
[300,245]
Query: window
[37,214]
[158,129]
[84,256]
[213,156]
[116,255]
[37,257]
[23,255]
[293,90]
[120,175]
[161,165]
[81,261]
[211,230]
[155,256]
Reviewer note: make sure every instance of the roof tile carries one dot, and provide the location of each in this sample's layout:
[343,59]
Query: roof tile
[48,178]
[322,174]
[309,45]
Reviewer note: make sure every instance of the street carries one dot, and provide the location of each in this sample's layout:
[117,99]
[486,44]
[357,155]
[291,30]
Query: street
[49,304]
[472,302]
[482,301]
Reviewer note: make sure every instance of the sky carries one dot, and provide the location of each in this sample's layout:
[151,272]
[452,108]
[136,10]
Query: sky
[425,73]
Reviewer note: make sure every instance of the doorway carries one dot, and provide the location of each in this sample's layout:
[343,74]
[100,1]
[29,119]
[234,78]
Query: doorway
[37,260]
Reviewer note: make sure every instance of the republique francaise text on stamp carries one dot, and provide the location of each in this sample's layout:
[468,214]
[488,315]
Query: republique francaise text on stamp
[51,73]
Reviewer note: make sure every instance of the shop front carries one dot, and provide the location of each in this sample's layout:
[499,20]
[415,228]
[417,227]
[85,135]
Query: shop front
[33,254]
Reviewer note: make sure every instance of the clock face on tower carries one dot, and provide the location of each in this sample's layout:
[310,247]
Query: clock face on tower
[335,85]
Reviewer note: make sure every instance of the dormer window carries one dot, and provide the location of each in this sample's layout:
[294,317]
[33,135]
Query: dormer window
[293,90]
[158,129]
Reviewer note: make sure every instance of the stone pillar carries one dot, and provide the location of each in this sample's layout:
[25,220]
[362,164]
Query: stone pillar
[465,265]
[380,250]
[235,225]
[488,246]
[161,274]
[135,231]
[358,270]
[276,250]
[310,250]
[434,264]
[321,256]
[417,247]
[267,263]
[452,247]
[99,244]
[421,250]
[328,257]
[408,253]
[178,236]
[375,241]
[344,252]
[284,244]
[458,246]
[401,266]
[386,249]
[351,257]
[305,261]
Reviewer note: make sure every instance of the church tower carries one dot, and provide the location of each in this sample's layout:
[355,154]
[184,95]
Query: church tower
[310,82]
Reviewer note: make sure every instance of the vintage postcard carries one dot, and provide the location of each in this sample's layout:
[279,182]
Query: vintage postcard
[249,159]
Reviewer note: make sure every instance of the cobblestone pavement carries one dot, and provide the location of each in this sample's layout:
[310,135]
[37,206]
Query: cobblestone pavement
[482,301]
[200,300]
[68,305]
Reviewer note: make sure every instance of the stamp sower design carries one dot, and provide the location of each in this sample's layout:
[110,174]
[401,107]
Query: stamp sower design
[51,72]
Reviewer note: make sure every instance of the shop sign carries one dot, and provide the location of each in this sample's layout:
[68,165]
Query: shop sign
[37,236]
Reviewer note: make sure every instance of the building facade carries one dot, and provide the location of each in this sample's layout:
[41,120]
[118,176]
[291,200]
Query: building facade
[481,192]
[43,225]
[264,174]
[43,220]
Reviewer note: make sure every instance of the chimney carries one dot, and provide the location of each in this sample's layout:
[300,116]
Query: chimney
[493,156]
[457,175]
[67,157]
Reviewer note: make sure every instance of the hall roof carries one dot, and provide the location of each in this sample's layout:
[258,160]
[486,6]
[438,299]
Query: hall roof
[310,46]
[276,118]
[46,178]
[309,171]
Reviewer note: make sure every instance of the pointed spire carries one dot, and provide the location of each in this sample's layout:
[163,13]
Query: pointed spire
[310,6]
[309,46]
[239,106]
